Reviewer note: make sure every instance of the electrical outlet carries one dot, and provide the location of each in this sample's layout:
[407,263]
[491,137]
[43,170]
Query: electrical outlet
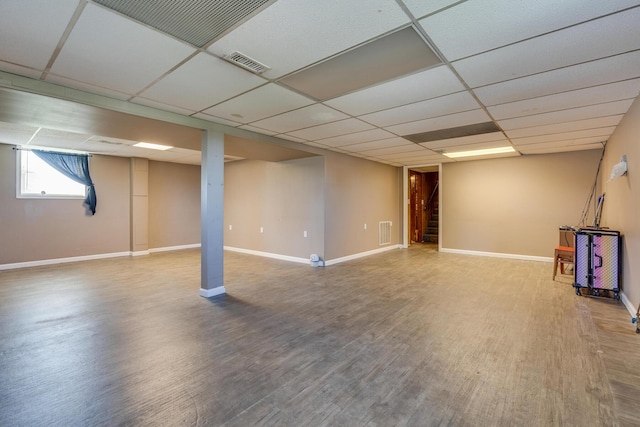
[230,227]
[305,233]
[261,229]
[365,226]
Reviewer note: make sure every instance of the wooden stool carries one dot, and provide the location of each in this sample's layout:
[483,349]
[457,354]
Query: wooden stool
[563,255]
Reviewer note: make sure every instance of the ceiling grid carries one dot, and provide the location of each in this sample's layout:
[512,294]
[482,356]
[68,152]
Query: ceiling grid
[542,77]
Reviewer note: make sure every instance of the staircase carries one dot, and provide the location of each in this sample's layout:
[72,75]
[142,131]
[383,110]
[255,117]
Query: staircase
[431,235]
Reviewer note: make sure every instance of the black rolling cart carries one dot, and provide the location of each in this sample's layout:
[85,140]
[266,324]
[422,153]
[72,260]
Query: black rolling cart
[597,262]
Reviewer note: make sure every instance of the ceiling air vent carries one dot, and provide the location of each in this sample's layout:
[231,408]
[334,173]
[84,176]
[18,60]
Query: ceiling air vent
[198,22]
[247,63]
[102,141]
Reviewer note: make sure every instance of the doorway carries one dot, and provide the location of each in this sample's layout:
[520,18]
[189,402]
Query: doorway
[423,213]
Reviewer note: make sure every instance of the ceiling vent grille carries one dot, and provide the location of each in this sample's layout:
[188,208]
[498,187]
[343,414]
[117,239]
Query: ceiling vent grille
[198,22]
[247,63]
[102,141]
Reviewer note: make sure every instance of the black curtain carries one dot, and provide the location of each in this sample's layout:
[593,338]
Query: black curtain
[75,167]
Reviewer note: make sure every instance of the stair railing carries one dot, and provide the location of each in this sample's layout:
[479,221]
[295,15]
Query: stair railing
[433,193]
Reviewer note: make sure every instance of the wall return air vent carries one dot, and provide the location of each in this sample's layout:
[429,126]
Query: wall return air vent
[247,63]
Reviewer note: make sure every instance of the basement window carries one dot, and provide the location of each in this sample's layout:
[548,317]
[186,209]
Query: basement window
[37,180]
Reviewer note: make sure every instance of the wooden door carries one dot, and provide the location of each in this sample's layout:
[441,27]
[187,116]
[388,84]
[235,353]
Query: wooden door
[416,206]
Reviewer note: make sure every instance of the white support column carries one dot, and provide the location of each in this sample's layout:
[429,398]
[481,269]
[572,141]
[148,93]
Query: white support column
[212,216]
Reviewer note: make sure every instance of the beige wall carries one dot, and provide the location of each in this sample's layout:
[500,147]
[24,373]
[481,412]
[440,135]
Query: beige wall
[359,192]
[284,198]
[174,204]
[514,205]
[34,229]
[622,200]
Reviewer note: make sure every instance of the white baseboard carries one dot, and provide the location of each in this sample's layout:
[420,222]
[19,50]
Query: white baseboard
[208,293]
[42,262]
[498,255]
[139,253]
[630,308]
[361,255]
[175,248]
[268,255]
[62,260]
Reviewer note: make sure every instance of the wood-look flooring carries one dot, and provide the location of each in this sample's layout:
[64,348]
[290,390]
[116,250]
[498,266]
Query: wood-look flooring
[408,337]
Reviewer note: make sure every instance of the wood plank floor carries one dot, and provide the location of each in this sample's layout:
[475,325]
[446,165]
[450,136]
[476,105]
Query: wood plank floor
[408,337]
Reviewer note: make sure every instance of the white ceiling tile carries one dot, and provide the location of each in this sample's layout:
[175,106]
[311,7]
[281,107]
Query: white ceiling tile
[465,140]
[316,144]
[213,119]
[98,147]
[358,137]
[403,151]
[15,134]
[19,70]
[258,130]
[179,155]
[107,50]
[389,162]
[563,143]
[535,149]
[162,106]
[392,149]
[427,84]
[63,81]
[565,127]
[420,8]
[201,82]
[374,145]
[593,40]
[292,138]
[489,24]
[581,113]
[604,133]
[58,139]
[265,101]
[291,34]
[30,30]
[332,129]
[415,158]
[448,104]
[312,115]
[109,139]
[627,89]
[443,122]
[607,70]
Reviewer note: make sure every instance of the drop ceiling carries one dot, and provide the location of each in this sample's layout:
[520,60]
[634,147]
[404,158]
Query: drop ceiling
[547,76]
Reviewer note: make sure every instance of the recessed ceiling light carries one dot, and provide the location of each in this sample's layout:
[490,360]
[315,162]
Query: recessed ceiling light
[152,146]
[482,152]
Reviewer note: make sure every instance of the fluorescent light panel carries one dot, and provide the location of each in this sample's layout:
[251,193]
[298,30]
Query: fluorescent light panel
[482,152]
[457,132]
[386,58]
[152,146]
